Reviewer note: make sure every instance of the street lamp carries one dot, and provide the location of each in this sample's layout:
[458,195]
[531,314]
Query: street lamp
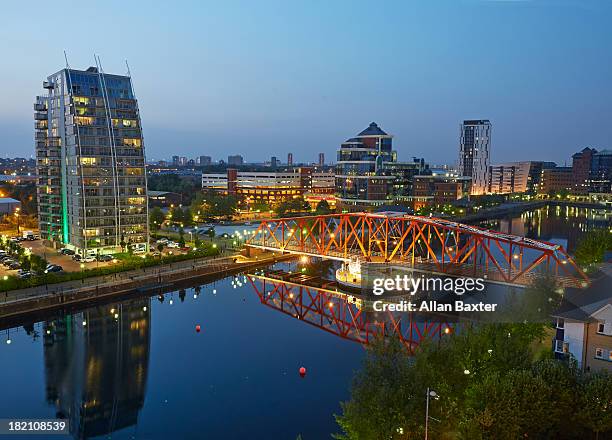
[430,393]
[17,215]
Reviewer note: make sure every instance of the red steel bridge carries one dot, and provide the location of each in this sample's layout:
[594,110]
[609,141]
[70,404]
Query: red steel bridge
[345,316]
[426,244]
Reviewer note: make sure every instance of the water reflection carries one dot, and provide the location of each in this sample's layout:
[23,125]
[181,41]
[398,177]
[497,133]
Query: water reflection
[96,365]
[562,224]
[346,315]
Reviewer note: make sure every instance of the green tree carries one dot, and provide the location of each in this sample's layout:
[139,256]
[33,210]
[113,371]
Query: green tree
[595,402]
[156,218]
[323,208]
[592,247]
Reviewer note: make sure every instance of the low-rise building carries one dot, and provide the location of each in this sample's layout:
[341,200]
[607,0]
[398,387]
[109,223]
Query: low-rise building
[439,189]
[8,205]
[271,186]
[584,327]
[164,199]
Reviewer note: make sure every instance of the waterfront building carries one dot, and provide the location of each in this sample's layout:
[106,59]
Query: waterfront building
[270,187]
[509,178]
[235,161]
[205,161]
[556,179]
[368,174]
[601,172]
[92,189]
[584,327]
[474,153]
[581,168]
[439,188]
[360,182]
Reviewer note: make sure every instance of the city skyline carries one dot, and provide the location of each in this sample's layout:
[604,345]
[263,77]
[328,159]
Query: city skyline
[243,80]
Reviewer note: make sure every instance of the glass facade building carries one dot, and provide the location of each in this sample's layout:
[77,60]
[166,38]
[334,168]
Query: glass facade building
[474,153]
[92,189]
[360,179]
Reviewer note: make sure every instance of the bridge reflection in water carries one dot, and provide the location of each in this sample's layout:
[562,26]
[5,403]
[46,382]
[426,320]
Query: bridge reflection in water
[96,365]
[347,316]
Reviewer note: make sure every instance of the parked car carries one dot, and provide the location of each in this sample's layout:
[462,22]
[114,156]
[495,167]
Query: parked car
[77,257]
[162,240]
[53,268]
[172,244]
[104,257]
[66,251]
[7,262]
[24,274]
[88,259]
[14,266]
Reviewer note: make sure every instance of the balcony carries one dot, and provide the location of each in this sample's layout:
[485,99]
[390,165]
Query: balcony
[40,135]
[48,85]
[39,107]
[40,116]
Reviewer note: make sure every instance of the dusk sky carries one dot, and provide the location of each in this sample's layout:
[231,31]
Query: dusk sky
[264,78]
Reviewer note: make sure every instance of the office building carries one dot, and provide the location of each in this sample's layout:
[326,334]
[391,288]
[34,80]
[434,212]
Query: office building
[601,172]
[554,180]
[581,167]
[92,189]
[508,178]
[360,182]
[439,188]
[321,159]
[235,161]
[270,187]
[175,161]
[274,162]
[205,161]
[474,153]
[289,159]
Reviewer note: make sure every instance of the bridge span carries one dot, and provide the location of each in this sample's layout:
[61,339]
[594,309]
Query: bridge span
[422,243]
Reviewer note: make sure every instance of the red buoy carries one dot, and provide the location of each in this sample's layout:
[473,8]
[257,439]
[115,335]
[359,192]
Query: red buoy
[198,328]
[302,371]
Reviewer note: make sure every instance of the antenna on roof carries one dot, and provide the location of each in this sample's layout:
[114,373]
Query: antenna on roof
[128,69]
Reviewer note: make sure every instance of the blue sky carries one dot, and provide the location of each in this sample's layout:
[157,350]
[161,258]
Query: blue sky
[267,77]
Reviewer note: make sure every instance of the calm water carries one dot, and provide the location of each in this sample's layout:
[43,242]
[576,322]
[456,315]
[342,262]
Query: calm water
[138,369]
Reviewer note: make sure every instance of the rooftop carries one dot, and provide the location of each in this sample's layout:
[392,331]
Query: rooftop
[8,200]
[373,130]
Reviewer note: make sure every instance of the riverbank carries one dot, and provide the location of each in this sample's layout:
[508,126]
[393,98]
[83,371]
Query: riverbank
[47,297]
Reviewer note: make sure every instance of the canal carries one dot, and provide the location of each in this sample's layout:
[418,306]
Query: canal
[138,368]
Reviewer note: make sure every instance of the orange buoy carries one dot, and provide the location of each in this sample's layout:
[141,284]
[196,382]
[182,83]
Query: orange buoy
[198,328]
[302,371]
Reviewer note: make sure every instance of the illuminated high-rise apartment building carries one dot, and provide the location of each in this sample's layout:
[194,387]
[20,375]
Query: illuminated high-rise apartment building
[92,188]
[474,153]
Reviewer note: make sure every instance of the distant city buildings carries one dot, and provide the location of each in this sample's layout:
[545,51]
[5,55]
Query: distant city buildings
[474,153]
[274,162]
[235,161]
[205,161]
[92,190]
[321,159]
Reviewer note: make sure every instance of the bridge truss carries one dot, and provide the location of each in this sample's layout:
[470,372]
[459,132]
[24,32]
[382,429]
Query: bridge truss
[421,243]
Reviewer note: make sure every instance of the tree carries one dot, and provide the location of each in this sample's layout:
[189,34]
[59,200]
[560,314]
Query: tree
[595,402]
[156,218]
[197,242]
[160,248]
[323,208]
[593,246]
